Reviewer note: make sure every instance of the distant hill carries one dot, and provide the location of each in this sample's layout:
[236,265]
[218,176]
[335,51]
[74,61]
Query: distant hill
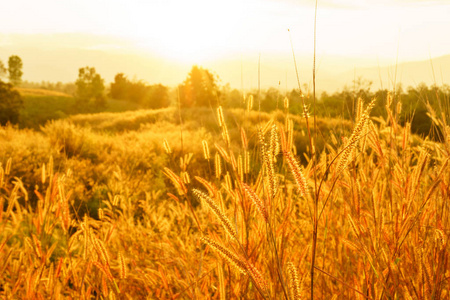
[58,57]
[432,71]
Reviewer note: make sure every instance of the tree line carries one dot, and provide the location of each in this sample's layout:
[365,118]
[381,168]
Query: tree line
[10,100]
[202,88]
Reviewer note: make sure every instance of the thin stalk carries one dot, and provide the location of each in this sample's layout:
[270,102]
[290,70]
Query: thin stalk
[312,155]
[280,272]
[259,88]
[249,275]
[316,196]
[181,120]
[343,282]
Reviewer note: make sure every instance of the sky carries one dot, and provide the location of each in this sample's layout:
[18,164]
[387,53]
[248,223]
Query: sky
[199,30]
[217,34]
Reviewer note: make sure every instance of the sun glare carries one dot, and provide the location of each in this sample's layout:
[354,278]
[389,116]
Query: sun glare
[191,31]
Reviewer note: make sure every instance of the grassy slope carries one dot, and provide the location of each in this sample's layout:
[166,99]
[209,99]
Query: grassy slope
[41,106]
[127,139]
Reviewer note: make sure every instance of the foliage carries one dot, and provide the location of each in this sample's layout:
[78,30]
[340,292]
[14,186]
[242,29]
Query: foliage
[147,96]
[119,88]
[15,66]
[2,70]
[90,88]
[413,105]
[231,98]
[10,104]
[41,106]
[199,89]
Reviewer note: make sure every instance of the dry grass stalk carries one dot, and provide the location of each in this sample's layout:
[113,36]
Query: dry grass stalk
[101,250]
[260,206]
[222,284]
[233,161]
[358,131]
[43,174]
[176,180]
[167,147]
[223,126]
[355,229]
[250,103]
[257,277]
[268,161]
[232,259]
[286,103]
[186,178]
[220,117]
[244,139]
[8,166]
[274,148]
[299,177]
[123,268]
[206,154]
[104,287]
[228,183]
[247,162]
[290,135]
[208,185]
[294,281]
[223,153]
[217,165]
[240,168]
[229,229]
[50,278]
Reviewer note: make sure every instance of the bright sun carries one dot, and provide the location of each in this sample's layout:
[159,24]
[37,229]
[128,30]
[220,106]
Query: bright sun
[191,31]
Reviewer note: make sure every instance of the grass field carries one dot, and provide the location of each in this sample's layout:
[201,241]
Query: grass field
[41,92]
[41,106]
[221,204]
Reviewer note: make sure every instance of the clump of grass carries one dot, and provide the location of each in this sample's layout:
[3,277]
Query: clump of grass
[369,219]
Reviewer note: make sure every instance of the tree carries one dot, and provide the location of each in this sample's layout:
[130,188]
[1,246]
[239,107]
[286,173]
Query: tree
[120,86]
[137,92]
[149,96]
[90,87]
[199,88]
[15,69]
[231,97]
[158,96]
[272,100]
[2,70]
[10,104]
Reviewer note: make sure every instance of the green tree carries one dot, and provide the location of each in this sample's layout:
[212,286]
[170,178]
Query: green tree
[119,88]
[90,87]
[199,88]
[149,96]
[15,69]
[231,97]
[158,96]
[10,104]
[137,92]
[2,70]
[271,100]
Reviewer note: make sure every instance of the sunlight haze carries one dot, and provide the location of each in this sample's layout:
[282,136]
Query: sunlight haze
[210,33]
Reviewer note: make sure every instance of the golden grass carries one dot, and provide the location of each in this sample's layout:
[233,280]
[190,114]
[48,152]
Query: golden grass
[41,92]
[382,228]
